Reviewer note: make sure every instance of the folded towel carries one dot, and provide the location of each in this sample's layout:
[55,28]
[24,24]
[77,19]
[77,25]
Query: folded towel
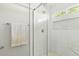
[18,34]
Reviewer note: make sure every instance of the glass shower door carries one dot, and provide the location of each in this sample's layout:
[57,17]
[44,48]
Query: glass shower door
[40,31]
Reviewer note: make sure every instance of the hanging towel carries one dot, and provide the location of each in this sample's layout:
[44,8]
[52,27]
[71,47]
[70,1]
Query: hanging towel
[18,32]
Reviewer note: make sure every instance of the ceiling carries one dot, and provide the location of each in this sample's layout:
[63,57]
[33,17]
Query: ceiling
[32,5]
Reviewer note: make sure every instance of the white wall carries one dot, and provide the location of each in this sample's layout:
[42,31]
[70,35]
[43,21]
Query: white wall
[63,37]
[12,13]
[40,38]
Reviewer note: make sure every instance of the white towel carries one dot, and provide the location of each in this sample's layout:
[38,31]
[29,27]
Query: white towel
[18,34]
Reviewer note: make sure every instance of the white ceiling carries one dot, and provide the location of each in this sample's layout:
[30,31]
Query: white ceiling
[32,5]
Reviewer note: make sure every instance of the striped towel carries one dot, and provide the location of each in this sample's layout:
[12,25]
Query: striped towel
[19,33]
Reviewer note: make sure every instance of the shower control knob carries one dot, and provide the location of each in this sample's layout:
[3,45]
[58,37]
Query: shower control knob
[42,30]
[1,47]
